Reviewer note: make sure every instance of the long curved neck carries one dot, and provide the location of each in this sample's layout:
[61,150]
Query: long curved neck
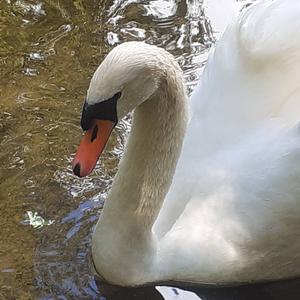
[144,177]
[147,167]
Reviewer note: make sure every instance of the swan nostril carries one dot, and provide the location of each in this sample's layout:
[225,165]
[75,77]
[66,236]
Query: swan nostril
[94,133]
[76,170]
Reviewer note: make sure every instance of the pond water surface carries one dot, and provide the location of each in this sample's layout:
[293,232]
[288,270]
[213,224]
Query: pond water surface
[48,52]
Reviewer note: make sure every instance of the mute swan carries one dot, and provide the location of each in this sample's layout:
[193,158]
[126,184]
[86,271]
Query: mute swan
[210,196]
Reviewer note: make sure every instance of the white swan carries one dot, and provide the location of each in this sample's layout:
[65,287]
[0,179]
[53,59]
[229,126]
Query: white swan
[216,201]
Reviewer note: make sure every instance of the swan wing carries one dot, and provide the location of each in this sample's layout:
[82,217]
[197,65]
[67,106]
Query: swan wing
[242,220]
[251,75]
[251,78]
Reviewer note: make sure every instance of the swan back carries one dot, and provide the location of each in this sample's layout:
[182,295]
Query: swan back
[251,76]
[235,192]
[268,32]
[250,83]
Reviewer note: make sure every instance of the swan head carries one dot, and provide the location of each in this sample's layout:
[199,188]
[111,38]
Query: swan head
[127,77]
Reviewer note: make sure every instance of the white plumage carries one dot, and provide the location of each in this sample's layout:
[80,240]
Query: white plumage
[231,208]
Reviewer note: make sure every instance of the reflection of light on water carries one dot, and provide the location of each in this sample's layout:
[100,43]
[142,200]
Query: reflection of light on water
[161,8]
[112,38]
[35,9]
[171,293]
[36,56]
[137,33]
[36,221]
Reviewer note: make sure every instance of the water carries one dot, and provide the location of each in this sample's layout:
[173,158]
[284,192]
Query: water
[48,52]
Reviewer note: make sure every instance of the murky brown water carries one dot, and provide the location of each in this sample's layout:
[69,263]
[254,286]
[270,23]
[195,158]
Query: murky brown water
[48,52]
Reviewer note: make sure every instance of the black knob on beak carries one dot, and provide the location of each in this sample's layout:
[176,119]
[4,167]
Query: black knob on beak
[104,110]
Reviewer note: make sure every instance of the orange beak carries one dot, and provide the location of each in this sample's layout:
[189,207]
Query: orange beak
[91,147]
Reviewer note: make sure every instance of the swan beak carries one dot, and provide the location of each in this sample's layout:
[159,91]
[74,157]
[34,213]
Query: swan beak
[91,147]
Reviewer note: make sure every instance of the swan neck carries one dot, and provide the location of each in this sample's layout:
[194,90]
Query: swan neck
[152,151]
[140,185]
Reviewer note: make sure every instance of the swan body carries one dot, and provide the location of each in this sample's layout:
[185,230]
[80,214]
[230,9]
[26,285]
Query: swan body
[206,192]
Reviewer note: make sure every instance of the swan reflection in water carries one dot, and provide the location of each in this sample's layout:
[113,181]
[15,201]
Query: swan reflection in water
[153,293]
[69,274]
[284,290]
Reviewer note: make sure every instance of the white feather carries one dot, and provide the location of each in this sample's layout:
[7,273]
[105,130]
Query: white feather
[231,208]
